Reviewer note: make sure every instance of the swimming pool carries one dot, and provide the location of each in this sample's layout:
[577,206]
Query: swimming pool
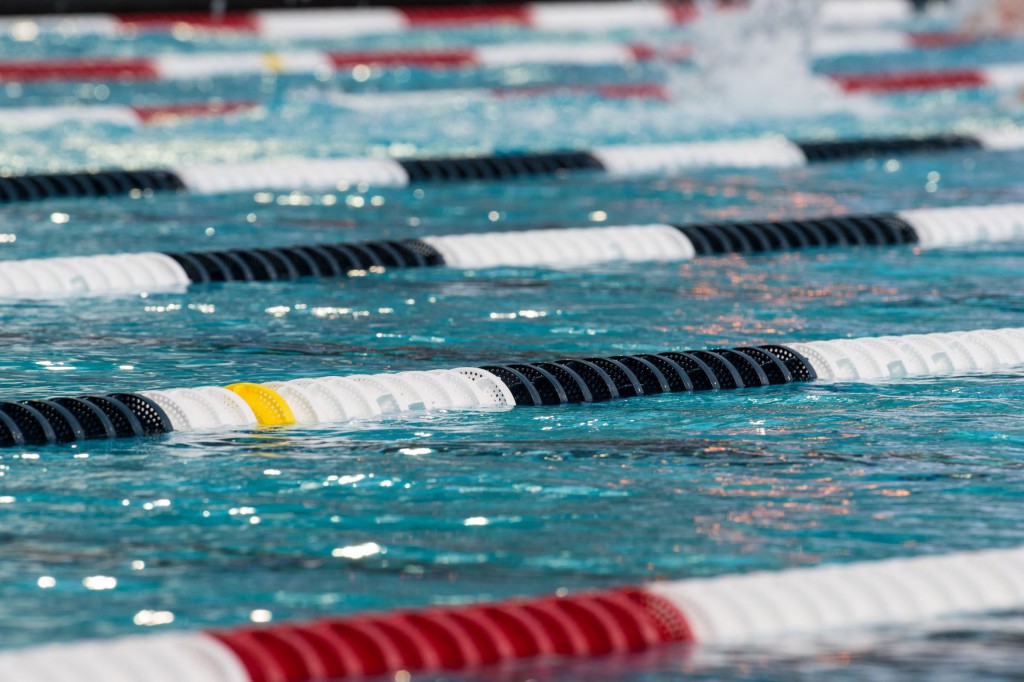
[225,527]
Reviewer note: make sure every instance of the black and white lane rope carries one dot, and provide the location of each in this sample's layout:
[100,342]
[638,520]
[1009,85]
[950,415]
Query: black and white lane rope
[127,274]
[337,399]
[615,160]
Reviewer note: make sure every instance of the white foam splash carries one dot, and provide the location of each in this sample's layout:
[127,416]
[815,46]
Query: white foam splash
[756,65]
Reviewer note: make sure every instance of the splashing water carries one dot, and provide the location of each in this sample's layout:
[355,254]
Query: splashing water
[756,65]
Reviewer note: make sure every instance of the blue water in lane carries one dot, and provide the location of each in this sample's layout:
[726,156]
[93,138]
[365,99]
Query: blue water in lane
[460,507]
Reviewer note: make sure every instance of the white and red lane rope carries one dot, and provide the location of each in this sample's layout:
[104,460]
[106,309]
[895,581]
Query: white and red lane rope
[35,117]
[997,76]
[182,65]
[117,114]
[415,99]
[589,53]
[351,22]
[1000,76]
[730,610]
[336,23]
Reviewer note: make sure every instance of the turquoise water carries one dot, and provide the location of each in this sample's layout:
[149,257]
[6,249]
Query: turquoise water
[480,505]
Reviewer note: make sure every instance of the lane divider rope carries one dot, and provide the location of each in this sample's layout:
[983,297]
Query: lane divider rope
[501,55]
[373,101]
[728,610]
[334,23]
[34,117]
[115,114]
[328,400]
[615,160]
[135,273]
[589,53]
[212,64]
[1006,76]
[1002,76]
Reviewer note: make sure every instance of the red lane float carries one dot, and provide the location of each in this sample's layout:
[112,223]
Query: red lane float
[80,69]
[173,112]
[449,17]
[434,58]
[584,625]
[914,80]
[996,76]
[1001,76]
[938,39]
[165,22]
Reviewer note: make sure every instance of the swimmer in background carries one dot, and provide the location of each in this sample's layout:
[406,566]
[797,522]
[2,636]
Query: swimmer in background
[994,17]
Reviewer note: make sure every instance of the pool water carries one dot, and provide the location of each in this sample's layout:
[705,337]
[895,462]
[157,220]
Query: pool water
[220,528]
